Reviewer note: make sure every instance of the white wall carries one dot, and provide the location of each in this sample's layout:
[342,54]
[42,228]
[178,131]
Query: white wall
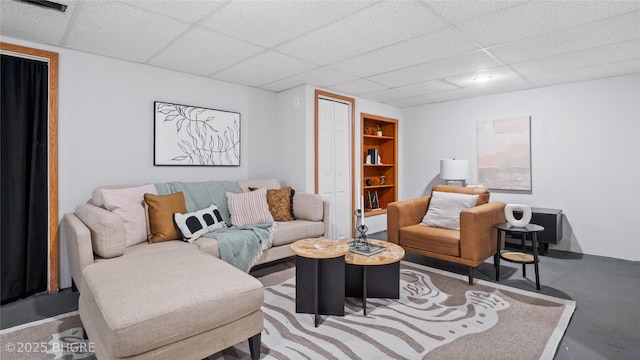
[291,141]
[263,158]
[105,126]
[585,156]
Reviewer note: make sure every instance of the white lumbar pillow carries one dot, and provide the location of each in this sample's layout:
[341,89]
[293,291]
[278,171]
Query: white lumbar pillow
[194,225]
[511,219]
[444,209]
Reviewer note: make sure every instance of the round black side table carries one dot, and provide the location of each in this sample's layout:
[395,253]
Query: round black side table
[531,231]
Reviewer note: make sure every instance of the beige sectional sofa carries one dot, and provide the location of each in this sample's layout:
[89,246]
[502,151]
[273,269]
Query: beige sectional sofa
[172,299]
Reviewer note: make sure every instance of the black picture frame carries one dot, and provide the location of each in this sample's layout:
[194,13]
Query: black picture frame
[186,135]
[373,200]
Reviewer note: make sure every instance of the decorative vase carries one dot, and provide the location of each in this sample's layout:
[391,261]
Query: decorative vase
[511,219]
[369,182]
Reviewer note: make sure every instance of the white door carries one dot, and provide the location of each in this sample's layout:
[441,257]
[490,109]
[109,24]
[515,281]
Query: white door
[334,165]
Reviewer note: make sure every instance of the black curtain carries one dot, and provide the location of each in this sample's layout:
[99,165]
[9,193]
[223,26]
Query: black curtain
[24,182]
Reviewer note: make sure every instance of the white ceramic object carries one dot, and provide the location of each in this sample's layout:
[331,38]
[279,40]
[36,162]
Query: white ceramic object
[526,214]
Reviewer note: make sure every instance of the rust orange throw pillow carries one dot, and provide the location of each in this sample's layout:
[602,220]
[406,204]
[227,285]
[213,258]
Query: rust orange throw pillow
[161,210]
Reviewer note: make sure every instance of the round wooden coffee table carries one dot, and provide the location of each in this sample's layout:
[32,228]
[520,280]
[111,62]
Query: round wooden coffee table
[375,276]
[320,285]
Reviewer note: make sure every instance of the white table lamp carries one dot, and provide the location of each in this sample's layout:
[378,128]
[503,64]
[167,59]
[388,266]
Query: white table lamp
[454,172]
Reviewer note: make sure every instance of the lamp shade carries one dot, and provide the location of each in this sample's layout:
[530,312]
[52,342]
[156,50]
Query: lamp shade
[452,169]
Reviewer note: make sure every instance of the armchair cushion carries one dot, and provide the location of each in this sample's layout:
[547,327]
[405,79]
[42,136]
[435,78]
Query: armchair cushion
[433,239]
[444,209]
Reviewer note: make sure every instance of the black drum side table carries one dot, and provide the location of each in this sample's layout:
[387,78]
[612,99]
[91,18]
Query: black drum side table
[320,280]
[531,231]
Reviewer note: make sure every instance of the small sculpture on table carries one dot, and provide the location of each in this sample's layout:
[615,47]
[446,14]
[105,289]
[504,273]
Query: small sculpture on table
[360,241]
[360,244]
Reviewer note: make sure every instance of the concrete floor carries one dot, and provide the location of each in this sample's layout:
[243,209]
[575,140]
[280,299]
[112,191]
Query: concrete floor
[605,325]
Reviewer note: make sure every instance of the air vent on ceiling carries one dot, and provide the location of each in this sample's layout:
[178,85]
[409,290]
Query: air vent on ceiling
[47,4]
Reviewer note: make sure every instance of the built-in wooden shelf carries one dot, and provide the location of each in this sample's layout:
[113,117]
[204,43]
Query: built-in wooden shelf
[387,146]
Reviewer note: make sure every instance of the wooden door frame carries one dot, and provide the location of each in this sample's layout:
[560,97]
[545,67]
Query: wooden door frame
[52,59]
[352,102]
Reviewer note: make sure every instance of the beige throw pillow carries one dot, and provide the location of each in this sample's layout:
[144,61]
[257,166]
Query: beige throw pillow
[444,209]
[128,203]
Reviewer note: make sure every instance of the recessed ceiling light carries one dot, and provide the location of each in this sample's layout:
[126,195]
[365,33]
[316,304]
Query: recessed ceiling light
[483,78]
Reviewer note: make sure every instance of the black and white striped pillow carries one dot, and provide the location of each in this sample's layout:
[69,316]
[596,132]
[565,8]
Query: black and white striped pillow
[195,224]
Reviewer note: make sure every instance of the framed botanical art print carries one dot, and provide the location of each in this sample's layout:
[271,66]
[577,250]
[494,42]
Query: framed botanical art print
[194,136]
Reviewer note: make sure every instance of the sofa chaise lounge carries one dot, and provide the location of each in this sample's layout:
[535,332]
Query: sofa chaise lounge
[172,299]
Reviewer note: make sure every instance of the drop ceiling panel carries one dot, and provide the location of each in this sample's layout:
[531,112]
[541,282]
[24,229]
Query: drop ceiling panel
[587,73]
[497,74]
[486,89]
[454,65]
[411,101]
[538,17]
[435,45]
[269,23]
[379,25]
[357,87]
[580,59]
[120,30]
[456,11]
[321,77]
[35,23]
[191,10]
[264,68]
[187,53]
[387,95]
[597,33]
[428,87]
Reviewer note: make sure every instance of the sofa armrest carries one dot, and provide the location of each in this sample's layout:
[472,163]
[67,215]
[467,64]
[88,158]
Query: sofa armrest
[477,234]
[404,213]
[107,230]
[79,249]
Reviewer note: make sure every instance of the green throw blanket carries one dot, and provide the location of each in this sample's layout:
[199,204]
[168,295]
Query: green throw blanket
[239,246]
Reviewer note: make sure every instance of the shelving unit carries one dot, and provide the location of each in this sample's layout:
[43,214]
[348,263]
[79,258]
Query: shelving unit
[387,148]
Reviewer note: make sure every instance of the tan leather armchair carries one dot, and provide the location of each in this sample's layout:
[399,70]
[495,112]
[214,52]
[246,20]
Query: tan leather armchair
[474,243]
